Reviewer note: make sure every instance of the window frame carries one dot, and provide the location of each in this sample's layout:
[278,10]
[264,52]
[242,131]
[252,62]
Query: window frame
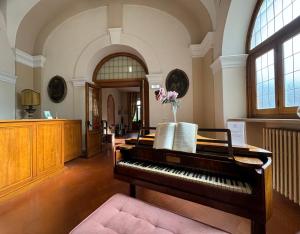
[111,56]
[273,42]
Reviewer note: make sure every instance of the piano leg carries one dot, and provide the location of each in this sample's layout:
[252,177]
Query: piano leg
[257,227]
[132,191]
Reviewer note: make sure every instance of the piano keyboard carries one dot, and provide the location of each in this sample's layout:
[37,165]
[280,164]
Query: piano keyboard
[189,175]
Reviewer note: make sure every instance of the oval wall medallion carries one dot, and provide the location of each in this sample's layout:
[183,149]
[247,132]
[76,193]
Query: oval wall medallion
[177,81]
[57,89]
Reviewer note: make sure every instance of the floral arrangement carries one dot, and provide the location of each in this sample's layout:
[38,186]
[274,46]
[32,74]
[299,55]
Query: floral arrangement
[168,97]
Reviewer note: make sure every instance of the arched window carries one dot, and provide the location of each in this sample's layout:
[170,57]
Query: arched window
[120,66]
[273,68]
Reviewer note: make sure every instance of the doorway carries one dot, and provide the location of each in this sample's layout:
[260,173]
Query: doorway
[121,71]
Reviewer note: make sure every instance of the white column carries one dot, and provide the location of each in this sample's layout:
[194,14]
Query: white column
[7,96]
[79,103]
[230,88]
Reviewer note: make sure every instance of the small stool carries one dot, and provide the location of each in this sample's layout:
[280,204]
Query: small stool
[126,215]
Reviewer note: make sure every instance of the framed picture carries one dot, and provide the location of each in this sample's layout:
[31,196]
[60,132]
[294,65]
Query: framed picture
[57,89]
[177,81]
[48,115]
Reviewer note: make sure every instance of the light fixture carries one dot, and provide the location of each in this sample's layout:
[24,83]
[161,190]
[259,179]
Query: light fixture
[155,86]
[29,99]
[130,69]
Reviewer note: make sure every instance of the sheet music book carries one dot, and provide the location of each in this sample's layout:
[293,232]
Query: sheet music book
[176,136]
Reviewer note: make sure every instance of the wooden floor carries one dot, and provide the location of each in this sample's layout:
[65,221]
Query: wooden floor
[60,203]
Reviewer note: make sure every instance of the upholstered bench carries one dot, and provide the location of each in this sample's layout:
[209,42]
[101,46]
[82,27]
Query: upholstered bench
[126,215]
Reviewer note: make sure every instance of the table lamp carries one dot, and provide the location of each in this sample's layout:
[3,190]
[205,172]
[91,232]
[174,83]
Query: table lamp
[29,99]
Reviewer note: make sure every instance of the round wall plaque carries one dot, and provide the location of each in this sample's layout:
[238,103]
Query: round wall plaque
[177,81]
[57,89]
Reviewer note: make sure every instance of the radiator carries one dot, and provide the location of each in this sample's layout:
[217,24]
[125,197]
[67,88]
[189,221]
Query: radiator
[285,145]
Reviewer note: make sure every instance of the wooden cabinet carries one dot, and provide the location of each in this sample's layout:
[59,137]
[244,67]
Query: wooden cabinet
[34,149]
[72,139]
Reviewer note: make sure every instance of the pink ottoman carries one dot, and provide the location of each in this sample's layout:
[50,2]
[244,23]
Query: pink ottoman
[126,215]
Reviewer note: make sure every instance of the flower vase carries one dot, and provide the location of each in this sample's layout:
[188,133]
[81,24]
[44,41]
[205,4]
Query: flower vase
[174,111]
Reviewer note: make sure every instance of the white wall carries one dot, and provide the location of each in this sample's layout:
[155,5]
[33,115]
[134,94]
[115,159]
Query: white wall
[156,35]
[170,42]
[7,71]
[62,49]
[7,100]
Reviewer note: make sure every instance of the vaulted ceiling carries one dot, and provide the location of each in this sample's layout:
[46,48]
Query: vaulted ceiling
[198,16]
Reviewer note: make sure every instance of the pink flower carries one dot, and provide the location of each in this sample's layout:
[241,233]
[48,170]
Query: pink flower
[172,95]
[163,97]
[160,94]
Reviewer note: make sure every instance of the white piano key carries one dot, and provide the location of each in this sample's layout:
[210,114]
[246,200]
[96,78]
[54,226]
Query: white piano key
[184,174]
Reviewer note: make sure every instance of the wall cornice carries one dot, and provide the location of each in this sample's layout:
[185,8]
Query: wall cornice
[29,60]
[79,82]
[200,50]
[8,78]
[155,78]
[227,62]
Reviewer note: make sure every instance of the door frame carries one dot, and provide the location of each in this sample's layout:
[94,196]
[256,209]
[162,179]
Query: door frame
[141,82]
[144,92]
[95,133]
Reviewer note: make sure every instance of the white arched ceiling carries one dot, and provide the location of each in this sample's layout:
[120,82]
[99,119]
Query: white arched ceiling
[101,47]
[210,7]
[45,15]
[15,11]
[235,31]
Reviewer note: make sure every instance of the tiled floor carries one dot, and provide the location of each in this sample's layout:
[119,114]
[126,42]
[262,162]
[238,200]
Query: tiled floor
[61,202]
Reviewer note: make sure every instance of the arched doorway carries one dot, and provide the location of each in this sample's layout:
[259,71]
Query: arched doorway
[110,111]
[119,71]
[125,70]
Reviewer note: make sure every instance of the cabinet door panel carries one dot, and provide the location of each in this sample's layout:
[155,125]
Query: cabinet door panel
[49,147]
[16,155]
[72,140]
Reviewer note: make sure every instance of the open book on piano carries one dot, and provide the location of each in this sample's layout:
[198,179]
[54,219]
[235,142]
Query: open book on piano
[176,136]
[234,179]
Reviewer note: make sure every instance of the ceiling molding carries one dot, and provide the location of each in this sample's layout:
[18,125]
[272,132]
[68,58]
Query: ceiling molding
[155,78]
[200,50]
[8,78]
[230,61]
[79,82]
[29,60]
[115,35]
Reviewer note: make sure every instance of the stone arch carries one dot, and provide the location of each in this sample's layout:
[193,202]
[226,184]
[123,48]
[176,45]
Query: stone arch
[101,47]
[232,44]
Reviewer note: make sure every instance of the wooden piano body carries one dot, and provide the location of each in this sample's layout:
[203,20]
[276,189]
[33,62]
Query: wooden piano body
[244,165]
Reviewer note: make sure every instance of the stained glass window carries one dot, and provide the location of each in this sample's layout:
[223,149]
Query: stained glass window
[121,67]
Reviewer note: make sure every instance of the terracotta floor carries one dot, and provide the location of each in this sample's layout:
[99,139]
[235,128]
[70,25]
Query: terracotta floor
[61,202]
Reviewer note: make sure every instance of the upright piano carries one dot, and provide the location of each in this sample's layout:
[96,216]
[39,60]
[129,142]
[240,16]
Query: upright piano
[234,179]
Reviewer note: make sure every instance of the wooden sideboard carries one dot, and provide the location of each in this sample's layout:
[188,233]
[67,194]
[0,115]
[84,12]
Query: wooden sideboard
[32,150]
